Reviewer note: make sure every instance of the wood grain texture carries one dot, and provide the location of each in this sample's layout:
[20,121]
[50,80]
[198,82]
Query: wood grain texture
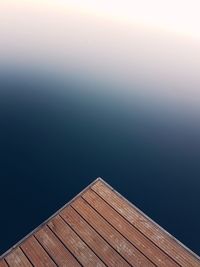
[3,263]
[159,237]
[99,228]
[73,242]
[36,254]
[143,244]
[104,251]
[55,248]
[113,237]
[17,259]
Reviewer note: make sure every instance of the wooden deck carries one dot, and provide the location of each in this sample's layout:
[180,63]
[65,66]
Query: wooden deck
[99,228]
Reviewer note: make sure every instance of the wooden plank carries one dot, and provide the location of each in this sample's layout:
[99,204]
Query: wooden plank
[101,248]
[100,228]
[61,256]
[73,242]
[113,237]
[35,253]
[148,248]
[146,226]
[17,259]
[3,263]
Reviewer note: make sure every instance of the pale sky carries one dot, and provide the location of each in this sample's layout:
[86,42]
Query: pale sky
[154,42]
[180,16]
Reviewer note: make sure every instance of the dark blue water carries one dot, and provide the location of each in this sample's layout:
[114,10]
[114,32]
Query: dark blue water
[56,137]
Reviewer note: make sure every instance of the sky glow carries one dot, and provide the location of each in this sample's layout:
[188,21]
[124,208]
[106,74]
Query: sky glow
[153,43]
[180,16]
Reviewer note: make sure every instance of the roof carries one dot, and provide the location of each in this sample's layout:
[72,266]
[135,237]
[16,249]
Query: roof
[99,227]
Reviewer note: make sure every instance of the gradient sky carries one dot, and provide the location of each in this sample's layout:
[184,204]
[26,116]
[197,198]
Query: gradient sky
[152,44]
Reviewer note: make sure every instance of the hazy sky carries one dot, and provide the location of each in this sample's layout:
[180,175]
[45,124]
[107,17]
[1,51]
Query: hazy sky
[155,43]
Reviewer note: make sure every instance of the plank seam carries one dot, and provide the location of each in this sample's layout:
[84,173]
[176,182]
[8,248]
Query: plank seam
[46,250]
[120,233]
[148,218]
[102,237]
[6,262]
[47,220]
[82,239]
[63,244]
[39,245]
[80,195]
[26,256]
[154,223]
[138,231]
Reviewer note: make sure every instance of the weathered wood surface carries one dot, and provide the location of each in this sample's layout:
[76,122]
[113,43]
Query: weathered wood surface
[151,230]
[140,241]
[112,236]
[74,243]
[92,238]
[99,228]
[59,253]
[3,263]
[17,258]
[36,254]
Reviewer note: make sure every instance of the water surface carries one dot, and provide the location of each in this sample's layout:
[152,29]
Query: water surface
[58,135]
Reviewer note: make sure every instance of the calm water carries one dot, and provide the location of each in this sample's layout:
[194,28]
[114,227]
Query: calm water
[57,137]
